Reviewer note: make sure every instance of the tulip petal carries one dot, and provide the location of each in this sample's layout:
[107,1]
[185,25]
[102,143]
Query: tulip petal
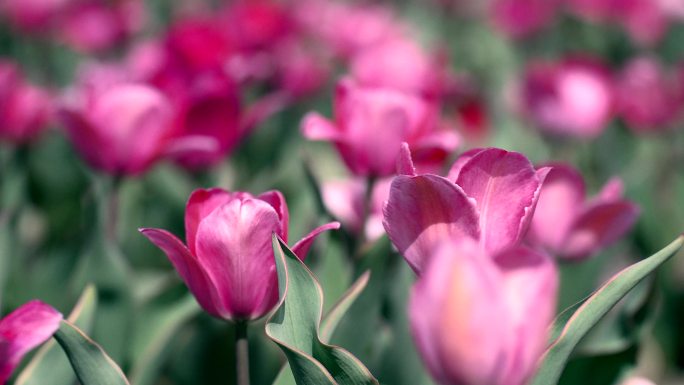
[317,127]
[344,200]
[86,139]
[301,248]
[405,162]
[455,169]
[234,247]
[189,270]
[560,198]
[598,226]
[434,148]
[276,199]
[530,281]
[424,210]
[455,309]
[613,190]
[200,204]
[22,330]
[505,187]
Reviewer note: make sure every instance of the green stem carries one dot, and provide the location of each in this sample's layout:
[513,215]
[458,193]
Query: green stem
[242,352]
[367,207]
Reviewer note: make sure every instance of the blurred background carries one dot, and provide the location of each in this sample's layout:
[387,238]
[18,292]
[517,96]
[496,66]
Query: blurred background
[596,84]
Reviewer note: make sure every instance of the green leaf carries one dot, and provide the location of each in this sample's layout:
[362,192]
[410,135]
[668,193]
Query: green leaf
[295,328]
[593,310]
[153,335]
[329,323]
[49,366]
[91,364]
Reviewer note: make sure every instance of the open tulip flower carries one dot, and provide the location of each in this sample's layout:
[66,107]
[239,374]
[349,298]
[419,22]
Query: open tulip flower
[489,196]
[23,330]
[483,319]
[371,123]
[572,227]
[228,263]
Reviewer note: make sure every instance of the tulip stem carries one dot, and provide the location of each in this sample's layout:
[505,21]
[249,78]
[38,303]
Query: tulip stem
[365,214]
[242,352]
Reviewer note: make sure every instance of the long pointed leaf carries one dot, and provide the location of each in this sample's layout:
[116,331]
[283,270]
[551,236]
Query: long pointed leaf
[295,328]
[91,364]
[591,312]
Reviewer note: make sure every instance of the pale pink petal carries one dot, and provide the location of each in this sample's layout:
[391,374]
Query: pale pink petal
[276,199]
[560,200]
[613,190]
[23,330]
[317,127]
[189,270]
[234,247]
[530,281]
[200,204]
[598,226]
[301,248]
[405,162]
[425,210]
[344,200]
[455,169]
[456,310]
[505,186]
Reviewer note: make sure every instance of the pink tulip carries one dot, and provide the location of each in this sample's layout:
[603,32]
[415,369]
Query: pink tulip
[32,15]
[344,199]
[482,319]
[400,63]
[569,98]
[23,330]
[649,99]
[572,227]
[25,109]
[521,18]
[489,196]
[228,263]
[122,129]
[371,123]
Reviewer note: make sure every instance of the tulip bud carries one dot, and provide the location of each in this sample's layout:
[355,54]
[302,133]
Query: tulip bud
[479,319]
[228,263]
[23,330]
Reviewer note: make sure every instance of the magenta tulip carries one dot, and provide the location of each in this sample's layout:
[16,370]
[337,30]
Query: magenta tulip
[489,196]
[482,319]
[569,98]
[573,228]
[121,129]
[23,330]
[371,123]
[34,16]
[25,109]
[228,263]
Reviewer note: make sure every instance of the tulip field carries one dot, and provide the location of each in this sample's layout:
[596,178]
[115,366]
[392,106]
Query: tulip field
[341,192]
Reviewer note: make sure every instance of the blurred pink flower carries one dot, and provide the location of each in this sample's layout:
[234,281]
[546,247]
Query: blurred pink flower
[121,129]
[479,318]
[399,63]
[344,199]
[649,97]
[569,98]
[25,109]
[521,18]
[33,16]
[637,381]
[371,123]
[23,330]
[573,228]
[228,263]
[489,196]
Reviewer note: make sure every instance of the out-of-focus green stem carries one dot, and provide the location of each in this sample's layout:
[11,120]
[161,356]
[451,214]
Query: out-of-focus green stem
[365,213]
[242,353]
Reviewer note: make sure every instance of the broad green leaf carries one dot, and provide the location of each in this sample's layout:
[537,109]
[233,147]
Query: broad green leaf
[154,334]
[295,328]
[329,323]
[593,309]
[49,365]
[91,364]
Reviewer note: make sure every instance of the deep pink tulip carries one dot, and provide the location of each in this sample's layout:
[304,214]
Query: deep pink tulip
[483,319]
[489,196]
[572,227]
[122,129]
[228,263]
[371,123]
[399,63]
[25,109]
[521,18]
[344,199]
[649,98]
[568,98]
[23,330]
